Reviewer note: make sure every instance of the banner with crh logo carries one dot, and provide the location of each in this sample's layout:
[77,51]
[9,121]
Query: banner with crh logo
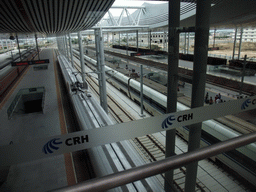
[56,145]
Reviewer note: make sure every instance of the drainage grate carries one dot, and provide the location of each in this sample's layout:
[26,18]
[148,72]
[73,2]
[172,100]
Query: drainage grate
[30,100]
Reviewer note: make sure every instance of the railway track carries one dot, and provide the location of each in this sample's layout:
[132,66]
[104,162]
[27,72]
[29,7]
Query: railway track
[150,148]
[233,122]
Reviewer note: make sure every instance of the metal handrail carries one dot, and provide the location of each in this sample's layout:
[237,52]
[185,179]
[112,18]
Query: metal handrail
[144,171]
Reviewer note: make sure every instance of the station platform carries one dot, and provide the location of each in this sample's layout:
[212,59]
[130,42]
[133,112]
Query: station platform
[27,121]
[189,65]
[55,172]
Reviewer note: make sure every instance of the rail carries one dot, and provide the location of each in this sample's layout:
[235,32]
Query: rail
[138,173]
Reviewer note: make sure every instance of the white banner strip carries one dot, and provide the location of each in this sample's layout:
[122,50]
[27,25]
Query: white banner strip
[56,145]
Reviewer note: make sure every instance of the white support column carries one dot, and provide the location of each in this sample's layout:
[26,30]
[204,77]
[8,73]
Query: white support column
[101,69]
[85,86]
[71,50]
[66,43]
[137,40]
[2,44]
[185,43]
[119,38]
[188,43]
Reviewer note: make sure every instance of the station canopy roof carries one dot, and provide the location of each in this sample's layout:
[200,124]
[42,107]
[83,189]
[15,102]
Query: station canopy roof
[57,16]
[50,16]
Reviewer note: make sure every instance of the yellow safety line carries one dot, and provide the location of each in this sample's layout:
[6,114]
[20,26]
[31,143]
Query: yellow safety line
[71,179]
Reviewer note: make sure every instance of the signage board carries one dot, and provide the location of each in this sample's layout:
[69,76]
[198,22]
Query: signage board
[33,62]
[59,144]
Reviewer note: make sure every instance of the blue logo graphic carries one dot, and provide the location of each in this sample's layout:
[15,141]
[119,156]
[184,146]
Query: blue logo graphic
[50,145]
[168,121]
[245,104]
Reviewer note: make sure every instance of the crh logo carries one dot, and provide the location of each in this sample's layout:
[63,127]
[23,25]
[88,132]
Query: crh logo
[54,144]
[245,104]
[169,120]
[51,145]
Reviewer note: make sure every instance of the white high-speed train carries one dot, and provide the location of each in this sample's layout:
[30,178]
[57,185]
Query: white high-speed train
[109,158]
[242,161]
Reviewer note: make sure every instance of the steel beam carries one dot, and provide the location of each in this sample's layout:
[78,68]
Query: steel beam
[172,84]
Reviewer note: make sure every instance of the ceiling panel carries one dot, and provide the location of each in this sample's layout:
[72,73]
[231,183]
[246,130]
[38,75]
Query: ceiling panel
[51,16]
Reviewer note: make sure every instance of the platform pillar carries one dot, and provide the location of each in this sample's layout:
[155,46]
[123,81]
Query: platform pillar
[234,46]
[172,84]
[101,68]
[107,39]
[240,43]
[198,85]
[137,40]
[66,42]
[127,43]
[37,46]
[165,40]
[81,50]
[141,91]
[214,37]
[71,50]
[7,45]
[113,40]
[149,40]
[18,46]
[185,43]
[188,43]
[119,38]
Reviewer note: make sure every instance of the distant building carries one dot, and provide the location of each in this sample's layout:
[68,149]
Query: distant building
[249,35]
